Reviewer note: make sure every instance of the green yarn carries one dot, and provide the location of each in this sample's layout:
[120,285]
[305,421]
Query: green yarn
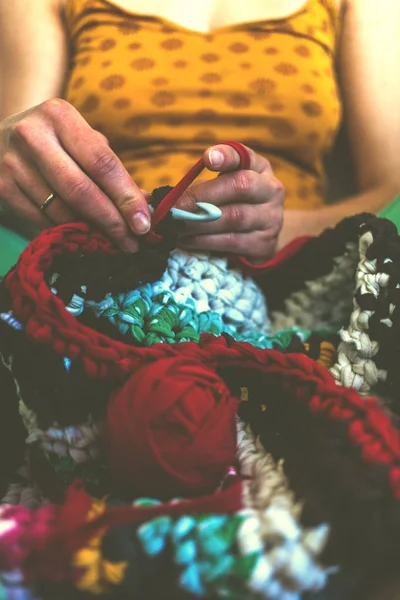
[149,319]
[93,472]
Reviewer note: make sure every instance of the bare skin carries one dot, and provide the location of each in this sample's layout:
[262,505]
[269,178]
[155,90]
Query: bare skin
[50,146]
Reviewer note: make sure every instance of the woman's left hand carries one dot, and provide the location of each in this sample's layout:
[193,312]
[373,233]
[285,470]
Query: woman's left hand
[251,202]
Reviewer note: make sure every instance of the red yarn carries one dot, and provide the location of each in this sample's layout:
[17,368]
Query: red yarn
[24,532]
[171,430]
[47,321]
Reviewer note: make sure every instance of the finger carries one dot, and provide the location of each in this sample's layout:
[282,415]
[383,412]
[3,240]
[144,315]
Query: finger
[33,186]
[78,191]
[240,186]
[245,244]
[102,165]
[236,218]
[20,205]
[224,158]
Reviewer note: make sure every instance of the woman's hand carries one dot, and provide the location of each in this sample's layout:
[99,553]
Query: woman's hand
[251,202]
[51,148]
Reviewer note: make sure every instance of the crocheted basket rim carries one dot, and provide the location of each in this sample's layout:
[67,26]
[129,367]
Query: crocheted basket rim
[45,317]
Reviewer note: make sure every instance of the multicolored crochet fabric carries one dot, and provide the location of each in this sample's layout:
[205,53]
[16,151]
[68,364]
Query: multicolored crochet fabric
[196,426]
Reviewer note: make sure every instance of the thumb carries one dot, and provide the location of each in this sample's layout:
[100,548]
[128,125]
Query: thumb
[135,210]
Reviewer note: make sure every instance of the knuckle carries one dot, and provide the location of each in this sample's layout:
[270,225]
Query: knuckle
[22,130]
[267,165]
[7,192]
[127,203]
[234,215]
[10,162]
[232,241]
[244,183]
[104,163]
[115,228]
[3,189]
[278,191]
[102,137]
[189,200]
[54,107]
[79,188]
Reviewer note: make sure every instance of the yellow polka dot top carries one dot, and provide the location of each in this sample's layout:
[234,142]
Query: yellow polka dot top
[162,93]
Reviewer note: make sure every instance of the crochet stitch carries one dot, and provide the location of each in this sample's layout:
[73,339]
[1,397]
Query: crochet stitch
[148,352]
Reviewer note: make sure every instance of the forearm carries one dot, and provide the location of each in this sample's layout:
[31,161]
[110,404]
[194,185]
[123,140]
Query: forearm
[33,54]
[371,201]
[313,222]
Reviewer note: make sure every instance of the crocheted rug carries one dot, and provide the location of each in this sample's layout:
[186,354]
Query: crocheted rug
[190,425]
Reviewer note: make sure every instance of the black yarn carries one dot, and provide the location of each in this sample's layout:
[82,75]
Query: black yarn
[325,469]
[315,259]
[54,393]
[117,273]
[12,431]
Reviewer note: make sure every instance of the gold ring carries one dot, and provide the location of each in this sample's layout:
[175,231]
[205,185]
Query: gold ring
[48,201]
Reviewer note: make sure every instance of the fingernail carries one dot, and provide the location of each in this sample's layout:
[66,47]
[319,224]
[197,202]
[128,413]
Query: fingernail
[129,245]
[141,223]
[216,157]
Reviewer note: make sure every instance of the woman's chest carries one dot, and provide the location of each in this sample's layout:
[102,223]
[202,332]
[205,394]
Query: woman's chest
[208,15]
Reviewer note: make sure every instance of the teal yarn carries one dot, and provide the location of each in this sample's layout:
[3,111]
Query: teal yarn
[149,318]
[206,550]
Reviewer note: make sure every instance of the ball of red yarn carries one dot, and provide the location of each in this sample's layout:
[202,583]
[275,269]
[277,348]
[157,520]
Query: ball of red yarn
[170,430]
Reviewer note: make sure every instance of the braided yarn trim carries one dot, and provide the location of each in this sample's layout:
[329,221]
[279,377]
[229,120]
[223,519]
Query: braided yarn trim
[356,366]
[103,358]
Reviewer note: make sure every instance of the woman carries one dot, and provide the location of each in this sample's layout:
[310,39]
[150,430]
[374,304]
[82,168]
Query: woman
[145,89]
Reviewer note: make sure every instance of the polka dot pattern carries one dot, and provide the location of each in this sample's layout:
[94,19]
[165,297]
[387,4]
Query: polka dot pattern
[180,64]
[112,82]
[312,109]
[238,48]
[107,44]
[238,100]
[271,51]
[211,78]
[172,44]
[159,81]
[163,98]
[286,68]
[161,94]
[210,57]
[78,83]
[142,64]
[262,86]
[302,50]
[137,125]
[279,127]
[90,104]
[121,103]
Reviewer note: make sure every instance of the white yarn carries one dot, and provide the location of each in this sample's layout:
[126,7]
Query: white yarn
[289,566]
[212,285]
[355,366]
[80,442]
[23,492]
[323,303]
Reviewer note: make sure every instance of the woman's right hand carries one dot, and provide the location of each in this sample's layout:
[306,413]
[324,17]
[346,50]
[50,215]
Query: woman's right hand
[51,148]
